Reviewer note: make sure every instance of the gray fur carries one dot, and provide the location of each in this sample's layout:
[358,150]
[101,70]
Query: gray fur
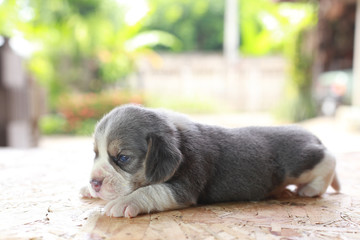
[207,164]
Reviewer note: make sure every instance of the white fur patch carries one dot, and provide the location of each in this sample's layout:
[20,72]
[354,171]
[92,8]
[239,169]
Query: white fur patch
[143,200]
[114,184]
[314,182]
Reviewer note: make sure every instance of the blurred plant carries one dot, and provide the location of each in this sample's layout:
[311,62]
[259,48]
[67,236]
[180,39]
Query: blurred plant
[52,124]
[198,24]
[82,110]
[266,27]
[85,127]
[79,112]
[8,16]
[299,103]
[85,45]
[258,19]
[89,45]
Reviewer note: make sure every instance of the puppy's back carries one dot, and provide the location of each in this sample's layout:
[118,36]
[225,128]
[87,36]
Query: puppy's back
[296,149]
[253,161]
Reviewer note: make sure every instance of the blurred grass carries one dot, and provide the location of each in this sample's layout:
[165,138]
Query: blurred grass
[52,124]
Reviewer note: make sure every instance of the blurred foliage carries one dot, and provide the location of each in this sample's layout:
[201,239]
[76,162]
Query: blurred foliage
[198,24]
[264,25]
[84,45]
[52,124]
[81,43]
[89,46]
[79,112]
[267,27]
[299,103]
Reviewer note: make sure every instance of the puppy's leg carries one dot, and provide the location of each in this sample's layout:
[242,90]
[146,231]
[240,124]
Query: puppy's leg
[147,199]
[316,181]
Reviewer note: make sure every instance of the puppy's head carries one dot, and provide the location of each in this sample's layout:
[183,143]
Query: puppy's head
[133,147]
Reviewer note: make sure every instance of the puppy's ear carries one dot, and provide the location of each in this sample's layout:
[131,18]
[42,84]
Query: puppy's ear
[162,158]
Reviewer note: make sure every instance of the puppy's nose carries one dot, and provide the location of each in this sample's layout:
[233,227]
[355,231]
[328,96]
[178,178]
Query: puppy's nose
[96,184]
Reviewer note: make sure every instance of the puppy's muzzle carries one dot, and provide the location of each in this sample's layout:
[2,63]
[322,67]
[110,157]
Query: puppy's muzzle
[96,184]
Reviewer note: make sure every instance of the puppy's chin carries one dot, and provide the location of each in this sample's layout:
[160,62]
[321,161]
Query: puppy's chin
[102,194]
[106,196]
[114,183]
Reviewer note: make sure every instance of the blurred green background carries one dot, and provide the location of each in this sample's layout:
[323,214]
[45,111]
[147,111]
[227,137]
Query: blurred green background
[84,51]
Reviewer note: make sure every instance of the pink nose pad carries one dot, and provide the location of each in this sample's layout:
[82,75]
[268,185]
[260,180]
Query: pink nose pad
[96,184]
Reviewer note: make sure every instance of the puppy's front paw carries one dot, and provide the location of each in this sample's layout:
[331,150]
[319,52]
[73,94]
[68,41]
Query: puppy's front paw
[118,208]
[85,193]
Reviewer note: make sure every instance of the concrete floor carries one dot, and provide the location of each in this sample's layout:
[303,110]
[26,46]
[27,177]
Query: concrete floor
[39,198]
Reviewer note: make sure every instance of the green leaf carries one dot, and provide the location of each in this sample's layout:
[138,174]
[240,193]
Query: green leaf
[151,39]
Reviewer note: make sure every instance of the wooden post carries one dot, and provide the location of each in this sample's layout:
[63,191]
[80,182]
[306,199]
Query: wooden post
[356,64]
[3,115]
[20,102]
[231,30]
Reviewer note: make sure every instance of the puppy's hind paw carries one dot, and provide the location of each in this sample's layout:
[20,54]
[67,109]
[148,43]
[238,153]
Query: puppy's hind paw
[309,191]
[116,208]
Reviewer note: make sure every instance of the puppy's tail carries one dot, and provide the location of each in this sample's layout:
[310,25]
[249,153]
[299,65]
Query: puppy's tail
[335,184]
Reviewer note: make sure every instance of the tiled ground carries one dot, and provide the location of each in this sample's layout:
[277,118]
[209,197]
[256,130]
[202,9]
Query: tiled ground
[39,200]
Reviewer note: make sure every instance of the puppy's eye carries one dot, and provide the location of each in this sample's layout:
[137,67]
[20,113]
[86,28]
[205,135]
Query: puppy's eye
[121,158]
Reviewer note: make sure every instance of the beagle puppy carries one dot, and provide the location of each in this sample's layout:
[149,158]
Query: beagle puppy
[149,160]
